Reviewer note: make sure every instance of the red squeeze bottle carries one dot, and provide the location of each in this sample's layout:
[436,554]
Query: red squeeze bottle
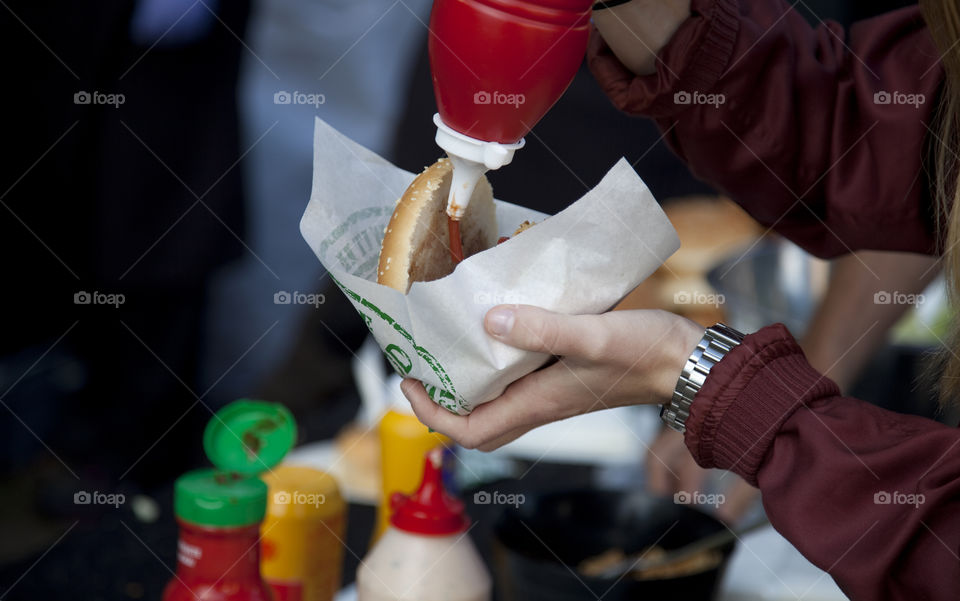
[498,66]
[220,510]
[218,553]
[227,569]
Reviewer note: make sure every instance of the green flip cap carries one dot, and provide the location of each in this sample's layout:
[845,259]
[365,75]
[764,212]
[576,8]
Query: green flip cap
[241,440]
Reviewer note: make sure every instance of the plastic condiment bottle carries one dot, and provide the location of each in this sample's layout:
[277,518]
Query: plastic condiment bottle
[219,511]
[498,66]
[426,554]
[403,443]
[302,534]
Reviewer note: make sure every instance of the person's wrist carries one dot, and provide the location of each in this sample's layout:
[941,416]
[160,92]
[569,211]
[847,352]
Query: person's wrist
[828,355]
[683,339]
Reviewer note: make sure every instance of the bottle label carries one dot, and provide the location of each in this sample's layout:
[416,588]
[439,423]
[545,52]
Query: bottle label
[188,554]
[287,591]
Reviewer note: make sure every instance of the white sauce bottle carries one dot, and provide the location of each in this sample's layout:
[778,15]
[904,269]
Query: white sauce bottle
[425,554]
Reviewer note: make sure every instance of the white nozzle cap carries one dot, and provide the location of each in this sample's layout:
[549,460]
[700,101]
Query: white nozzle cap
[493,155]
[471,158]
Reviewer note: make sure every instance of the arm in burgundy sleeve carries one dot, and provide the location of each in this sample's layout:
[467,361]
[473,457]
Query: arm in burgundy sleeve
[871,496]
[794,133]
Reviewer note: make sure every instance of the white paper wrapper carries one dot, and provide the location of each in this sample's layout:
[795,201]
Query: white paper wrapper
[584,259]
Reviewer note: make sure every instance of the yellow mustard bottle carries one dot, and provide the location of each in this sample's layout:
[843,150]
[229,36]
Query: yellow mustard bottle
[302,535]
[403,443]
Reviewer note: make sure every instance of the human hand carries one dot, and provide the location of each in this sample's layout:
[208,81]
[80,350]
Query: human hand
[610,360]
[850,324]
[670,468]
[636,31]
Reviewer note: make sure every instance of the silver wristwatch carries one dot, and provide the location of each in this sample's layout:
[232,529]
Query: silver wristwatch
[717,341]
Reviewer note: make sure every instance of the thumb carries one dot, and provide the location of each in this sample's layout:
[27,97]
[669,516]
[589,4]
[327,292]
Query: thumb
[535,329]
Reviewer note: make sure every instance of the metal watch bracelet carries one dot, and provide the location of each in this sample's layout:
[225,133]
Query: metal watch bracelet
[717,341]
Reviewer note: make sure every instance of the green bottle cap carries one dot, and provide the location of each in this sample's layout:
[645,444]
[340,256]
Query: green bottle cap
[212,498]
[249,437]
[242,439]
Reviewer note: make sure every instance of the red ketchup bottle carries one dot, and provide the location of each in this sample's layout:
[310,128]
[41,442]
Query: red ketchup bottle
[498,66]
[218,556]
[219,511]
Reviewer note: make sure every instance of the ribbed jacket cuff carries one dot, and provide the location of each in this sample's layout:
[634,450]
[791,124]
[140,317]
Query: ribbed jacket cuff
[692,61]
[746,399]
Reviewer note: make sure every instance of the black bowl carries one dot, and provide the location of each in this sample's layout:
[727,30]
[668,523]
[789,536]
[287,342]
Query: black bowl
[540,543]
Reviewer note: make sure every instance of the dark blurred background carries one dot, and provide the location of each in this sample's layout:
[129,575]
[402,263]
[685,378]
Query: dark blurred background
[151,197]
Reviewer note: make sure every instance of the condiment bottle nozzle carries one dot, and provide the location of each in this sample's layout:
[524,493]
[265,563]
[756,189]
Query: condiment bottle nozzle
[471,158]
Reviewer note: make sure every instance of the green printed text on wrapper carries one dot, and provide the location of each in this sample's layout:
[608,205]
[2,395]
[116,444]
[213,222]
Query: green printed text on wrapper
[401,355]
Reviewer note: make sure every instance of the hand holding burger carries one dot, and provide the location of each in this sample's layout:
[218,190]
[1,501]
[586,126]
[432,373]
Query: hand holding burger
[610,360]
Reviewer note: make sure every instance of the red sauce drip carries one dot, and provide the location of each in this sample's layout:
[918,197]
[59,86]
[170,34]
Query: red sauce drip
[456,244]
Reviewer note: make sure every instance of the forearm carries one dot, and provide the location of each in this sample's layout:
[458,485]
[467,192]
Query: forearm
[868,495]
[786,120]
[637,30]
[868,293]
[865,494]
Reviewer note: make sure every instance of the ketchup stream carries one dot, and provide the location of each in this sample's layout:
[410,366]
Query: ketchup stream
[456,244]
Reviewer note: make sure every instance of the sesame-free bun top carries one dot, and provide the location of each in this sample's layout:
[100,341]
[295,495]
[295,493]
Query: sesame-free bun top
[416,244]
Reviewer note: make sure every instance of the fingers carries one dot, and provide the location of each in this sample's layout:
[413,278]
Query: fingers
[738,498]
[670,466]
[430,413]
[661,477]
[489,426]
[691,477]
[535,329]
[536,399]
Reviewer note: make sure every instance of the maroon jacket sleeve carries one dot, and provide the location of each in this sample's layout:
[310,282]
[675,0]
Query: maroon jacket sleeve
[817,134]
[870,496]
[801,134]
